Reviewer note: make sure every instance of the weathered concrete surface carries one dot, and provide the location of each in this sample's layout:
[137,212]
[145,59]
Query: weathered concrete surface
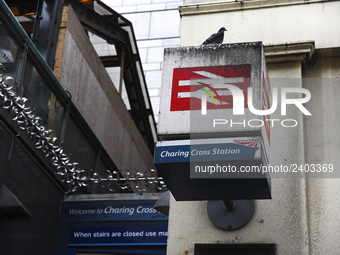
[281,220]
[93,92]
[322,146]
[303,216]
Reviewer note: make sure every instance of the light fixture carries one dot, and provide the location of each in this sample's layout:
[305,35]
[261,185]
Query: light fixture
[230,214]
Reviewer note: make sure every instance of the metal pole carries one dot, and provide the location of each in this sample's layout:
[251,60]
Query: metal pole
[122,60]
[229,205]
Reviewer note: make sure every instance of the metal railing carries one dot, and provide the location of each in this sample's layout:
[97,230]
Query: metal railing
[34,103]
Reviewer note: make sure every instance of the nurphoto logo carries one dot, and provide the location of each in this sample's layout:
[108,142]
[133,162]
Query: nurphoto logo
[267,107]
[239,100]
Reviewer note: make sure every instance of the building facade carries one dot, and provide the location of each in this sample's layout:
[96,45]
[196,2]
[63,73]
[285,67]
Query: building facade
[77,127]
[301,51]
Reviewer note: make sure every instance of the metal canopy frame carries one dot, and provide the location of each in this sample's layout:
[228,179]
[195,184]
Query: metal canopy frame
[117,30]
[133,76]
[46,28]
[54,85]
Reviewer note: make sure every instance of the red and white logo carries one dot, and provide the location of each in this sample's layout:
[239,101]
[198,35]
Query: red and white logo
[249,144]
[195,88]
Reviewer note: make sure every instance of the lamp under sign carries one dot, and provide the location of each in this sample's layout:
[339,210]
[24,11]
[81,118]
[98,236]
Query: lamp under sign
[230,214]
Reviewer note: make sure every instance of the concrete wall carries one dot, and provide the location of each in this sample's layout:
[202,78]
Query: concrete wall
[322,145]
[302,217]
[93,92]
[271,22]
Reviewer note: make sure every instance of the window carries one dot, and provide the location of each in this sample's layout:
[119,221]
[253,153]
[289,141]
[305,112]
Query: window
[235,249]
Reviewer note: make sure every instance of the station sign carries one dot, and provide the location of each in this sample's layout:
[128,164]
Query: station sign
[111,210]
[119,235]
[111,222]
[214,122]
[214,169]
[215,91]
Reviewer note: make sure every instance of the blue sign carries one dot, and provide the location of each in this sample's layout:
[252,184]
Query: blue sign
[119,235]
[111,223]
[203,152]
[214,169]
[111,210]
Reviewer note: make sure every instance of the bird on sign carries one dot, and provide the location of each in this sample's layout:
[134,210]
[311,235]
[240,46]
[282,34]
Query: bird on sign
[216,38]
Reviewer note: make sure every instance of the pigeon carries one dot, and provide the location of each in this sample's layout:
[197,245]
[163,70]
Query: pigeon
[216,38]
